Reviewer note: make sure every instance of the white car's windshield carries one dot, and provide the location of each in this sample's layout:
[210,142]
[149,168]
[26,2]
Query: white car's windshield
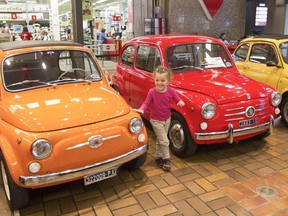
[197,56]
[38,69]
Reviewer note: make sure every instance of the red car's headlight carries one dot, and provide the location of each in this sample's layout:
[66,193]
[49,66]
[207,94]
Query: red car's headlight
[276,98]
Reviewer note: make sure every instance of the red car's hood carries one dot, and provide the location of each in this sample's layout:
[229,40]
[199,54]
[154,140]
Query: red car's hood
[65,106]
[223,87]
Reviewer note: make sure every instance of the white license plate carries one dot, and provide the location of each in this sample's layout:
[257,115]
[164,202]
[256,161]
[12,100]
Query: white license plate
[90,179]
[248,122]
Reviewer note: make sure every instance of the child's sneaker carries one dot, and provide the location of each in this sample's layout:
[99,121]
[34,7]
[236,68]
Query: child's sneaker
[166,165]
[159,162]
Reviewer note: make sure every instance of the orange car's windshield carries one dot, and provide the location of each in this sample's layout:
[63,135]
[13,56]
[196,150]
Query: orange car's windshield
[53,67]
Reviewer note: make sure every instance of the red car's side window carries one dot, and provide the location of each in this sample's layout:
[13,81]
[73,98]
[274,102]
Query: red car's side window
[148,58]
[127,56]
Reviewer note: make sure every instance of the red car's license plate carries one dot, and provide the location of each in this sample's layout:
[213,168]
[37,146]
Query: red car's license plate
[90,179]
[248,122]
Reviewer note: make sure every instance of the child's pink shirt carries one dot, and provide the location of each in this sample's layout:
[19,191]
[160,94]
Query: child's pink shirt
[160,103]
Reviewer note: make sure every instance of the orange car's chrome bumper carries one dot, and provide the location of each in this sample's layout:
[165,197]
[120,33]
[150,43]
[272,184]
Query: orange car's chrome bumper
[30,181]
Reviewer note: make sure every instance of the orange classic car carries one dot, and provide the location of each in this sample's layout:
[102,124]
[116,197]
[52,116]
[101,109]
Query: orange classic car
[60,120]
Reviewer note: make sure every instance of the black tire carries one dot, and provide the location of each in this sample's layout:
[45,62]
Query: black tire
[17,197]
[116,89]
[284,111]
[263,135]
[137,162]
[181,142]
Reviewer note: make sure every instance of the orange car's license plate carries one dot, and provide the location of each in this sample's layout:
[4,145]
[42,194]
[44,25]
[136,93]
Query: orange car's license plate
[248,122]
[90,179]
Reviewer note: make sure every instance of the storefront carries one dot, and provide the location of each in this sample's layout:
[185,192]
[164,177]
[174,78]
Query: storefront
[111,15]
[15,15]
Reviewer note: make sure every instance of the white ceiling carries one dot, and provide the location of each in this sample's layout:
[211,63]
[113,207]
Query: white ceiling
[66,6]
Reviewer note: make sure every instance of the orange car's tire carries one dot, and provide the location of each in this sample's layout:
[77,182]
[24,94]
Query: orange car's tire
[17,197]
[137,162]
[181,142]
[284,111]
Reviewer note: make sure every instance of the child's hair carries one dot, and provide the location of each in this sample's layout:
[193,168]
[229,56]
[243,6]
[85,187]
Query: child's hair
[164,70]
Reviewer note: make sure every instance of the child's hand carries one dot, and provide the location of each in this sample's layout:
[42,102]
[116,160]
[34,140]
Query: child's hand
[181,103]
[139,111]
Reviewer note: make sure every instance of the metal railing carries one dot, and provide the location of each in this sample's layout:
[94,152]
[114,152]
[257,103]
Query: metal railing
[109,50]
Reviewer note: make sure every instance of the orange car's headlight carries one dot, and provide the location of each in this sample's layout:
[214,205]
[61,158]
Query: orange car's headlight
[41,149]
[135,125]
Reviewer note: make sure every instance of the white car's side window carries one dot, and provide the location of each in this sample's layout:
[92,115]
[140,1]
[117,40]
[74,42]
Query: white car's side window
[241,52]
[261,53]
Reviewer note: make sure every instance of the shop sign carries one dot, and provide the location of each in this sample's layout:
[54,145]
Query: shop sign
[13,16]
[116,18]
[211,7]
[33,17]
[261,15]
[87,9]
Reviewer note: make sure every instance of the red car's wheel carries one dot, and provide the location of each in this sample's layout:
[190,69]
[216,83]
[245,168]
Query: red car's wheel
[284,111]
[181,143]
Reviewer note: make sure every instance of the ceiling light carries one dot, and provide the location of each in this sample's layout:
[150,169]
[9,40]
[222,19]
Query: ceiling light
[100,1]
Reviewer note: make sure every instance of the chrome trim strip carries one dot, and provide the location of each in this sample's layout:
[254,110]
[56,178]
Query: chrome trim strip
[237,132]
[232,109]
[234,114]
[73,174]
[236,119]
[87,143]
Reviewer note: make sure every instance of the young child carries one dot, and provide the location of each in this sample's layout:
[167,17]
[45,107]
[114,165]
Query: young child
[159,101]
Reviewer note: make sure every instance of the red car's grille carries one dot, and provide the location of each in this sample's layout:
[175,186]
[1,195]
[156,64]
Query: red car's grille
[238,111]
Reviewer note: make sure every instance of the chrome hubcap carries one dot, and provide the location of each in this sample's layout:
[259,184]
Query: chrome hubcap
[176,135]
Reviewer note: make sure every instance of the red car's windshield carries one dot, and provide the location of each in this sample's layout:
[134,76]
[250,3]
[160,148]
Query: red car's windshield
[197,56]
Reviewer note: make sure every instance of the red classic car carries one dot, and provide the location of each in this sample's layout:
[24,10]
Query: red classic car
[220,104]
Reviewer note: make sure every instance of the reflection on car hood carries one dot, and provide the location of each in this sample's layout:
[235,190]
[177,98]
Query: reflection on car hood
[65,106]
[223,87]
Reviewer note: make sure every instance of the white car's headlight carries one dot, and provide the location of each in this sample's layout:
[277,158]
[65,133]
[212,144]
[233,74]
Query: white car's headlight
[208,110]
[135,125]
[276,98]
[41,149]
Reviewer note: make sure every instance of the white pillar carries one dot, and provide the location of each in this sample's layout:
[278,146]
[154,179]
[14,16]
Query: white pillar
[54,20]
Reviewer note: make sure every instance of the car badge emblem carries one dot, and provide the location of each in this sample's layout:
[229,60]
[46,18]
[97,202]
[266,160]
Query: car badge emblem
[248,96]
[250,111]
[95,141]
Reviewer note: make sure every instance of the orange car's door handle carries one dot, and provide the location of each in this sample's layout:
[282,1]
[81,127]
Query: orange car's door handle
[245,67]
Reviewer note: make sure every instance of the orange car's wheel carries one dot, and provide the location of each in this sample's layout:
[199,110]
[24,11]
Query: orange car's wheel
[181,143]
[17,197]
[137,162]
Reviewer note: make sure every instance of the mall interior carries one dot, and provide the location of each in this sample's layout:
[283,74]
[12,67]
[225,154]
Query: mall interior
[197,185]
[72,19]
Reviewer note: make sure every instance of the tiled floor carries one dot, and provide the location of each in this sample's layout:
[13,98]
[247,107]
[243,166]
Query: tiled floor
[247,178]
